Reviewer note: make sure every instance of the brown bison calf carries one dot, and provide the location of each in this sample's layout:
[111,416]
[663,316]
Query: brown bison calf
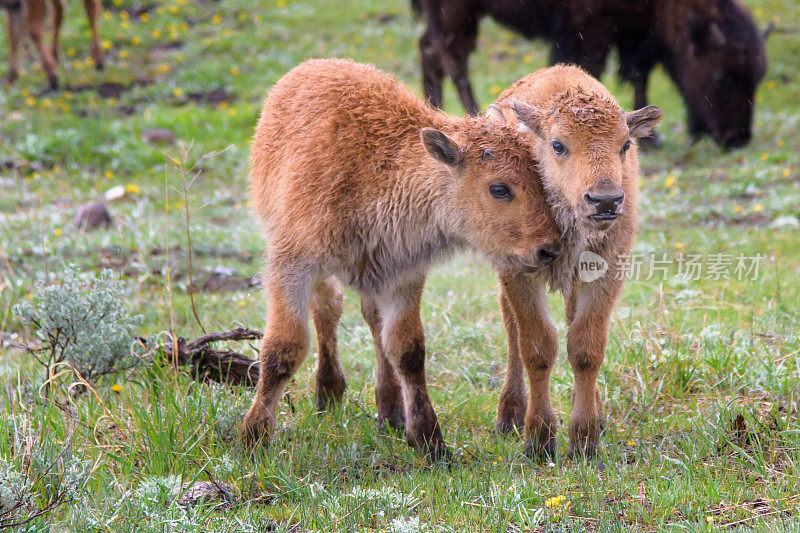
[29,16]
[585,148]
[355,179]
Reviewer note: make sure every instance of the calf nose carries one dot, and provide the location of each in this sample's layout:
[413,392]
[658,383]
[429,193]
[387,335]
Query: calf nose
[547,253]
[605,204]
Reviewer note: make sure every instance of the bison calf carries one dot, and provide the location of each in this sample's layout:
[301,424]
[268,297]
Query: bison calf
[586,150]
[354,179]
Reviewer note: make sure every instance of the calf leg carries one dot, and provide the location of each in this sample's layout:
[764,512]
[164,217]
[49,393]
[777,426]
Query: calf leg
[513,396]
[388,394]
[326,310]
[16,30]
[538,349]
[93,12]
[283,346]
[36,12]
[58,18]
[404,345]
[589,307]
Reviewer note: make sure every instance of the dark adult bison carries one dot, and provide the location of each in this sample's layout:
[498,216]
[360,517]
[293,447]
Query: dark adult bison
[711,49]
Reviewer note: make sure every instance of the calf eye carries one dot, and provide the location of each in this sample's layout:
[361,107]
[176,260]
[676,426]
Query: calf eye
[559,148]
[501,192]
[626,146]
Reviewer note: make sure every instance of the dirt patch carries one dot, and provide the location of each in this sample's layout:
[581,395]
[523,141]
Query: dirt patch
[213,97]
[108,89]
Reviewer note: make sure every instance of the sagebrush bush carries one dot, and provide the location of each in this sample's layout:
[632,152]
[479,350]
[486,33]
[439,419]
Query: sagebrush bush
[85,322]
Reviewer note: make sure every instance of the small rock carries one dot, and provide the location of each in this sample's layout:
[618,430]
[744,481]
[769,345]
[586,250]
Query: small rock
[115,193]
[92,216]
[206,492]
[158,136]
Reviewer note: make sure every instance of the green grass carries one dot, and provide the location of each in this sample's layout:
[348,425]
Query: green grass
[685,358]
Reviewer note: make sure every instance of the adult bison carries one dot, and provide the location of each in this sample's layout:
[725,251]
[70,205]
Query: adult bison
[711,49]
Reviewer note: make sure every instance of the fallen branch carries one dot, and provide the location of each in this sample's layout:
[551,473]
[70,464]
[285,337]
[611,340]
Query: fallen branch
[223,366]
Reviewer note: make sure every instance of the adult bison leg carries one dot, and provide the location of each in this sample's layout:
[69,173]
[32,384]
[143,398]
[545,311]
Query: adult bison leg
[456,66]
[432,72]
[538,349]
[326,310]
[589,307]
[513,396]
[388,394]
[284,344]
[403,341]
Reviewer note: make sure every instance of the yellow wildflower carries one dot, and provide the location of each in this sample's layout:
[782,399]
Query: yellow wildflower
[737,209]
[30,101]
[174,9]
[71,52]
[124,15]
[670,181]
[257,19]
[123,54]
[494,90]
[132,188]
[144,17]
[156,33]
[631,443]
[527,58]
[757,208]
[679,245]
[786,172]
[555,501]
[177,91]
[770,84]
[116,387]
[135,40]
[234,70]
[107,44]
[780,142]
[281,3]
[216,19]
[58,232]
[764,156]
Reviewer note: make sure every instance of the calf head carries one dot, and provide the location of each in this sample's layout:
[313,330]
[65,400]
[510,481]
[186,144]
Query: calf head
[497,196]
[583,147]
[718,70]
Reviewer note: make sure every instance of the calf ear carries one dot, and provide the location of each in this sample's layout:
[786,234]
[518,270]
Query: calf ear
[642,122]
[495,114]
[530,117]
[441,147]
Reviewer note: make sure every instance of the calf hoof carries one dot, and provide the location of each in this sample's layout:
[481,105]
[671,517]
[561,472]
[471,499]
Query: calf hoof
[394,418]
[508,423]
[52,83]
[329,392]
[437,455]
[584,443]
[255,429]
[542,447]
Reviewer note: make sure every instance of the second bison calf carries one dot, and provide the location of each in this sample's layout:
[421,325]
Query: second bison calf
[354,179]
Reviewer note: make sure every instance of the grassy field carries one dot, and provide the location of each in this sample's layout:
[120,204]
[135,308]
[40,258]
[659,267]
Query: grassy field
[701,377]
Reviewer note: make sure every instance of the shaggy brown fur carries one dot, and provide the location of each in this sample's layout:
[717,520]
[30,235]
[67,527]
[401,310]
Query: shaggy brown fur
[354,179]
[28,17]
[711,49]
[595,175]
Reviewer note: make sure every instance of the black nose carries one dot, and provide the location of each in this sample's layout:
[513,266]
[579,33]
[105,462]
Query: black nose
[547,253]
[605,204]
